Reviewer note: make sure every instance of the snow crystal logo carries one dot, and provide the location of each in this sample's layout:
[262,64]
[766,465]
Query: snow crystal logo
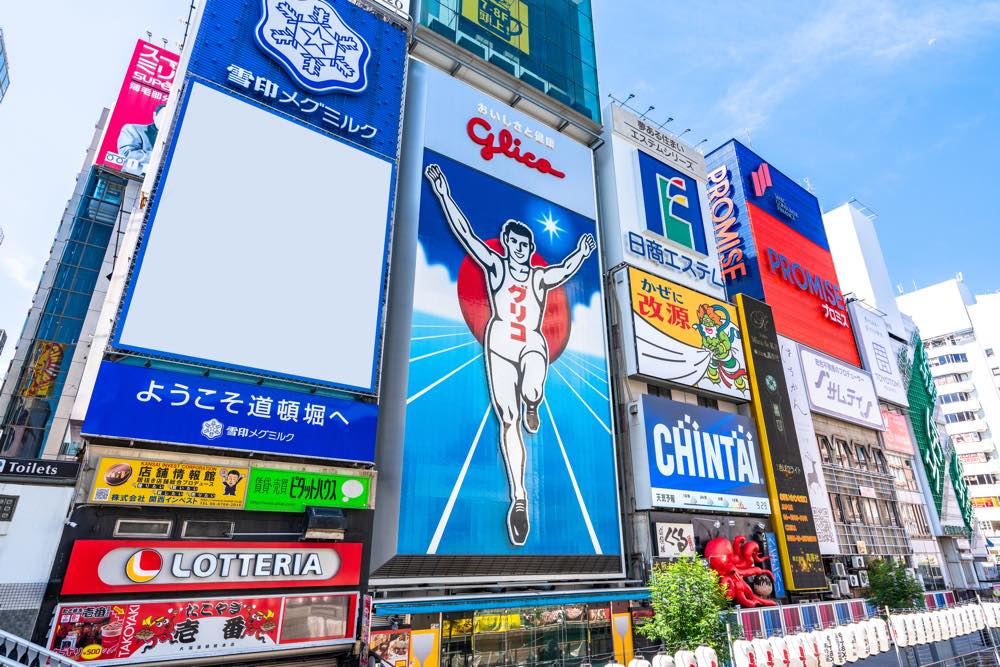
[211,429]
[321,52]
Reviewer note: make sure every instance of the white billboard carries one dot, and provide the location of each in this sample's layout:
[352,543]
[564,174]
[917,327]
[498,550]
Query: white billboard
[256,263]
[872,336]
[840,390]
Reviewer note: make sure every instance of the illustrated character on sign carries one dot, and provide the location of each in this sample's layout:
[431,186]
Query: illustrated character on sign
[717,337]
[259,624]
[230,481]
[737,563]
[154,631]
[516,353]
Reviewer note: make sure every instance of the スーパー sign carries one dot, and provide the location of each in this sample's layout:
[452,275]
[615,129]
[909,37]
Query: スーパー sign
[130,566]
[686,337]
[698,458]
[121,481]
[154,405]
[136,631]
[783,470]
[840,390]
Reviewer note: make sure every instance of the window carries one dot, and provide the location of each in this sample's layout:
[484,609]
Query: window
[989,352]
[951,378]
[653,390]
[143,528]
[996,371]
[706,402]
[879,460]
[975,457]
[902,473]
[963,416]
[959,397]
[966,438]
[825,449]
[198,530]
[954,358]
[987,478]
[862,453]
[843,452]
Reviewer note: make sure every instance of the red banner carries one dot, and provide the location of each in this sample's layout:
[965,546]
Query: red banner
[148,631]
[45,368]
[134,566]
[138,115]
[897,433]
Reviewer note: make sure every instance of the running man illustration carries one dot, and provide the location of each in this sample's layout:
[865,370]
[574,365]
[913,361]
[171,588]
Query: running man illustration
[516,353]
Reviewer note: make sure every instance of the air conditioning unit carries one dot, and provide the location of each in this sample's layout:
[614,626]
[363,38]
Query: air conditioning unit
[863,577]
[845,587]
[854,581]
[839,570]
[834,590]
[857,561]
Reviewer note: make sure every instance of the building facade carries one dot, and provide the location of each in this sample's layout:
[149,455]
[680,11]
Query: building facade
[4,67]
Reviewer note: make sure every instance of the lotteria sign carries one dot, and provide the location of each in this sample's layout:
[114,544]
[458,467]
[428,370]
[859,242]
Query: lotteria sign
[122,566]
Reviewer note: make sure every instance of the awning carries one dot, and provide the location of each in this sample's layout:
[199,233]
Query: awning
[400,606]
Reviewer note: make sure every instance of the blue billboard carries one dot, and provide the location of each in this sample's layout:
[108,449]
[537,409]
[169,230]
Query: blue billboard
[672,205]
[328,63]
[700,459]
[154,405]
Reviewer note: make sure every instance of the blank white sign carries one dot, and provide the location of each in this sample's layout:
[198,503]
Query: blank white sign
[266,250]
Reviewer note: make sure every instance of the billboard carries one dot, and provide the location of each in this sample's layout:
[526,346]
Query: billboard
[896,436]
[119,481]
[697,458]
[139,566]
[508,446]
[153,405]
[840,390]
[285,118]
[138,631]
[683,336]
[786,480]
[877,354]
[131,130]
[674,539]
[772,246]
[805,435]
[41,379]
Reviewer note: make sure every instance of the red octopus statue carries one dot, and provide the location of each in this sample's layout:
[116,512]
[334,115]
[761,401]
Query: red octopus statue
[736,562]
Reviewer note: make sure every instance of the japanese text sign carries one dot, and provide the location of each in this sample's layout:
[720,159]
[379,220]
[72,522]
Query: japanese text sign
[292,491]
[840,390]
[131,131]
[877,354]
[136,631]
[686,337]
[154,405]
[699,458]
[162,483]
[674,539]
[658,143]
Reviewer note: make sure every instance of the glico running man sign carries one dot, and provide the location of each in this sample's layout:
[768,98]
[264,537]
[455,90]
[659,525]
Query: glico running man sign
[508,440]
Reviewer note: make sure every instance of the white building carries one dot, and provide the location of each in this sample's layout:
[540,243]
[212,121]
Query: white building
[942,554]
[962,336]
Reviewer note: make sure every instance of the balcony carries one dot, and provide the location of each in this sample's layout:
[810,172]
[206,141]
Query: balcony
[971,405]
[878,540]
[985,445]
[983,490]
[972,426]
[966,387]
[951,367]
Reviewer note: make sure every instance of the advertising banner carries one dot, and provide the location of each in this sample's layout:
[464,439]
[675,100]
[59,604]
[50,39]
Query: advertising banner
[786,479]
[686,337]
[805,435]
[508,445]
[392,646]
[674,540]
[153,405]
[39,471]
[840,390]
[699,458]
[877,355]
[657,143]
[138,631]
[896,436]
[131,130]
[45,369]
[775,563]
[320,85]
[120,481]
[137,566]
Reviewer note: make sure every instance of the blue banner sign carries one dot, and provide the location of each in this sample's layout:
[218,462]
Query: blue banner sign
[775,564]
[700,458]
[155,405]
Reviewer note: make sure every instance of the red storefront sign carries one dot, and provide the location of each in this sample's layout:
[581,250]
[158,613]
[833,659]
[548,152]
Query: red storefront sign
[800,284]
[134,566]
[897,433]
[158,630]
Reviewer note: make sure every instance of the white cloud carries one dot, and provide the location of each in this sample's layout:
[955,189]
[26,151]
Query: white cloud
[585,335]
[23,271]
[434,291]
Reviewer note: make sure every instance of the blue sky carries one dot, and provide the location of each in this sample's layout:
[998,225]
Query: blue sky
[893,102]
[896,103]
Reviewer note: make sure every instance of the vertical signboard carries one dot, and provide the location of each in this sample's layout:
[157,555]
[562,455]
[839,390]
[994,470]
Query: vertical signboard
[508,446]
[786,479]
[683,336]
[877,356]
[805,435]
[138,116]
[697,458]
[295,107]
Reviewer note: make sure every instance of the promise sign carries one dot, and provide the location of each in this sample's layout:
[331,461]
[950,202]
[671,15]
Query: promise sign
[787,488]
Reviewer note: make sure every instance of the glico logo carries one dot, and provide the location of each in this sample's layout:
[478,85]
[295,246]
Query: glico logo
[728,241]
[505,144]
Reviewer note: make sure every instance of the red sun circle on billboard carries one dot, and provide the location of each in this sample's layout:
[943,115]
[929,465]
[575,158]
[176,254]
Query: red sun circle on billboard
[143,565]
[474,301]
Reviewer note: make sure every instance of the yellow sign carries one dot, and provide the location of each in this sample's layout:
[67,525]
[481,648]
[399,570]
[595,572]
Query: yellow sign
[506,19]
[163,483]
[45,369]
[686,337]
